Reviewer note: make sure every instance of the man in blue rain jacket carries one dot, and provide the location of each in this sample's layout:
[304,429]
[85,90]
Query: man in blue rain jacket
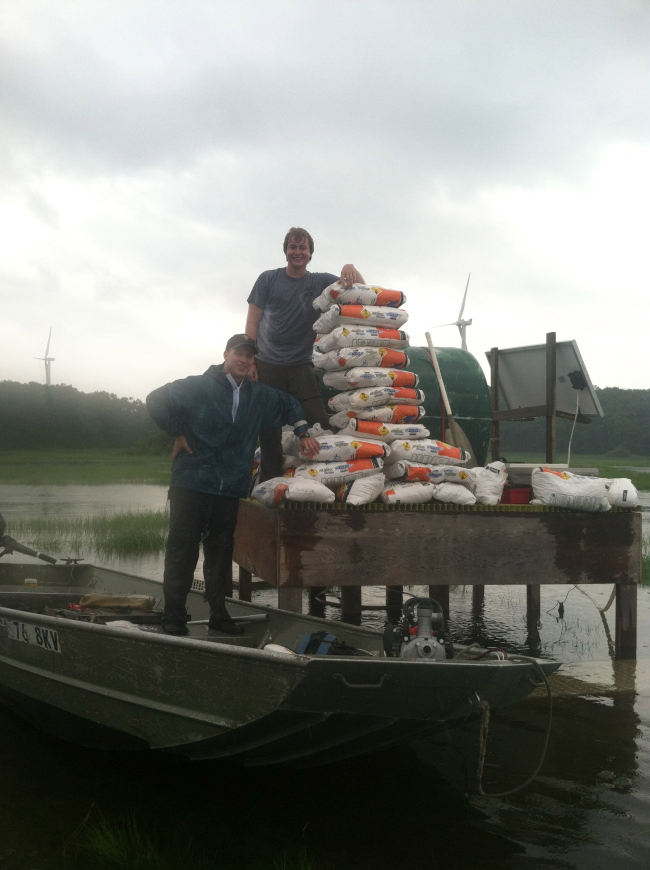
[215,418]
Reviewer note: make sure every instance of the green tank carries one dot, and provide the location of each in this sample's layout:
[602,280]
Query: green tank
[467,389]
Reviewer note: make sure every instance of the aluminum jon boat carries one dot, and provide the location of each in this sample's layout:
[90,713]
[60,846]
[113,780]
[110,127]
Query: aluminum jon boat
[83,656]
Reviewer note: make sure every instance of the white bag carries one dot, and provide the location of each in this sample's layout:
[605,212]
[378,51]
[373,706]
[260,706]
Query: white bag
[334,473]
[407,493]
[567,490]
[375,397]
[351,379]
[621,492]
[385,414]
[409,472]
[361,336]
[487,483]
[428,452]
[358,294]
[387,432]
[278,489]
[343,358]
[452,493]
[361,315]
[363,490]
[341,448]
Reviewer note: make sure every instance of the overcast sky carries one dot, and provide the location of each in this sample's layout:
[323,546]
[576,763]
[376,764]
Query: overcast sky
[153,155]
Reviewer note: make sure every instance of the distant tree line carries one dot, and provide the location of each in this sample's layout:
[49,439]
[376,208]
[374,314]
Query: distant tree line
[624,430]
[36,416]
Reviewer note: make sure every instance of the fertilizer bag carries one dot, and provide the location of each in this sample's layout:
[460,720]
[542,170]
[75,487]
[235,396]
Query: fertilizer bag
[358,294]
[387,432]
[343,358]
[351,379]
[487,483]
[566,490]
[334,473]
[370,315]
[621,492]
[363,490]
[407,493]
[279,489]
[361,336]
[428,452]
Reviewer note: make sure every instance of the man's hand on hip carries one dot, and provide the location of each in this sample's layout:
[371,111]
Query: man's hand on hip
[180,444]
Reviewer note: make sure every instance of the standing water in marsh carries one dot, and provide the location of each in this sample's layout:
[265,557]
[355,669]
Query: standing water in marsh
[589,808]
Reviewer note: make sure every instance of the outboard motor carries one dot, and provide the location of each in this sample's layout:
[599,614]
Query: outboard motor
[420,633]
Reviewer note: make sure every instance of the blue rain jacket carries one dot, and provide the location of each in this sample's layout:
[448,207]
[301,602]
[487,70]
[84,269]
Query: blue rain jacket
[200,407]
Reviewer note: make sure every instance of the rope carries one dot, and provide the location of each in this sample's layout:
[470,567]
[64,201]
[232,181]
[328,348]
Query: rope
[598,607]
[483,739]
[575,419]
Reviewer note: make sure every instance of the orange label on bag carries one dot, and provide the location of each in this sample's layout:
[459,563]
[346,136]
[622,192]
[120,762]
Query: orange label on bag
[278,493]
[562,474]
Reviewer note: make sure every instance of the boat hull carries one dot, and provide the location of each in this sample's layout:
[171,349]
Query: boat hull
[213,697]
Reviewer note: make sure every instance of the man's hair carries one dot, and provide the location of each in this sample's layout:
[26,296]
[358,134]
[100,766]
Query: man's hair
[298,234]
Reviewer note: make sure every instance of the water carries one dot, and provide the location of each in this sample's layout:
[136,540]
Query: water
[589,808]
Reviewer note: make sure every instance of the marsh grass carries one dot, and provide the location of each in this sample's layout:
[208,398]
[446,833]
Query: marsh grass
[91,467]
[120,534]
[126,845]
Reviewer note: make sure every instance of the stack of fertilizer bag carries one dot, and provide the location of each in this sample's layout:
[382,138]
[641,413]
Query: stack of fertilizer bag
[577,492]
[361,348]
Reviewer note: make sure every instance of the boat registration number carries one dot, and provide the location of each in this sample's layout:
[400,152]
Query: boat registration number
[46,638]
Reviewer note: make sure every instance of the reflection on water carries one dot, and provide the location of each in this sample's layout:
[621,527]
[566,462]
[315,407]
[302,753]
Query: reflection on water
[589,808]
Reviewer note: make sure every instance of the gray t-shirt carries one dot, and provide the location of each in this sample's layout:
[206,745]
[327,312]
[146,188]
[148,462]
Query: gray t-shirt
[285,335]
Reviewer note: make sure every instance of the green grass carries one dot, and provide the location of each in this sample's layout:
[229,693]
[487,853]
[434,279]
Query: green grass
[61,467]
[607,465]
[127,845]
[119,534]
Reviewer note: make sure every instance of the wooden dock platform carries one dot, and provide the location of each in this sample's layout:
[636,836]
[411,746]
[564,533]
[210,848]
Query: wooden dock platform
[297,546]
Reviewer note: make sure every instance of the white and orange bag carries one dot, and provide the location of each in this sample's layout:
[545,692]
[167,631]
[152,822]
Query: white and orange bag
[363,490]
[387,432]
[370,315]
[341,448]
[279,489]
[375,397]
[407,493]
[358,294]
[344,358]
[567,490]
[361,336]
[428,452]
[351,379]
[385,414]
[409,472]
[334,473]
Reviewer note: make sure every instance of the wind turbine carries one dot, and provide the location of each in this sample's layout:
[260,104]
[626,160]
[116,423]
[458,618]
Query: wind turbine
[47,360]
[460,323]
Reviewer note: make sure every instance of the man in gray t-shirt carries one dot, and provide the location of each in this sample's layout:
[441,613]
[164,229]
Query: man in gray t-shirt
[280,319]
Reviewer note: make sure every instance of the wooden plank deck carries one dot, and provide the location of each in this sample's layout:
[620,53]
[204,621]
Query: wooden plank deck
[304,546]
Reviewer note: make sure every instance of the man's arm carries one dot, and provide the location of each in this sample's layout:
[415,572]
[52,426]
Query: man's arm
[281,408]
[253,320]
[350,275]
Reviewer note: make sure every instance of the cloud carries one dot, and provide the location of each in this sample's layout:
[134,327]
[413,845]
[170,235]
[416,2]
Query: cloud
[155,154]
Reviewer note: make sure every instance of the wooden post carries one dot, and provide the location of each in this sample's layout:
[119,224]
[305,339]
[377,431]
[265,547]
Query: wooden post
[495,432]
[290,598]
[316,601]
[551,399]
[533,603]
[478,598]
[441,595]
[245,584]
[625,639]
[351,604]
[394,600]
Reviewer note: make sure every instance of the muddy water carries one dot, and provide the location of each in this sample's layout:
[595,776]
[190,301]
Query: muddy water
[589,808]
